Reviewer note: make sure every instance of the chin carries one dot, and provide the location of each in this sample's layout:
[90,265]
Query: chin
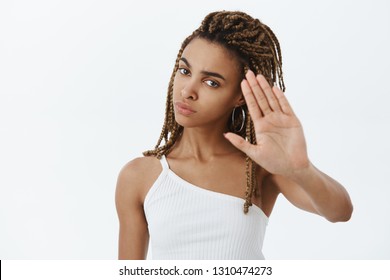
[186,121]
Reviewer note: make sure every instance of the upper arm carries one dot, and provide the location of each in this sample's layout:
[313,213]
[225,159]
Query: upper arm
[133,231]
[293,193]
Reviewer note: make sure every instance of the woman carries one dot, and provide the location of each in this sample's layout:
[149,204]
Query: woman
[232,145]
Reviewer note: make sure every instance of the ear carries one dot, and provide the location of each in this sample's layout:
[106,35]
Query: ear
[240,100]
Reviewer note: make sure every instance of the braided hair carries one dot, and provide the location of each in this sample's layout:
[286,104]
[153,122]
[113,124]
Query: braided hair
[256,48]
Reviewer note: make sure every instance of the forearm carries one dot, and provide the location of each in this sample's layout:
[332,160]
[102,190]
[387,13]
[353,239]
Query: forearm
[328,197]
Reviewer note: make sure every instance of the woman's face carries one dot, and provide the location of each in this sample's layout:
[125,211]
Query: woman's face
[206,86]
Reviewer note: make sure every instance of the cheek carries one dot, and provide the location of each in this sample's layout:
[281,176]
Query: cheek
[177,84]
[219,106]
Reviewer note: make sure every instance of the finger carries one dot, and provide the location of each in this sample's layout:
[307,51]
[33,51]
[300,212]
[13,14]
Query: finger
[284,104]
[240,143]
[251,102]
[271,98]
[258,93]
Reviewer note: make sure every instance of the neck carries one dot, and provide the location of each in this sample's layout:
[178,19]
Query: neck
[203,144]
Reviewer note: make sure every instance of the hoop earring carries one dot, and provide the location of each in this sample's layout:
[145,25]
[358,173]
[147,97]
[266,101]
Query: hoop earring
[243,118]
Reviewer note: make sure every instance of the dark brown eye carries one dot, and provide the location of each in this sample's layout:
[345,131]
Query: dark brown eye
[211,83]
[184,71]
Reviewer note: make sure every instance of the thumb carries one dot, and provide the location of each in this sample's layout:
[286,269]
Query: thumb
[239,142]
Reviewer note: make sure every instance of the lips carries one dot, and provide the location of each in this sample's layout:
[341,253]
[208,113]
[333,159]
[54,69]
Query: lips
[183,108]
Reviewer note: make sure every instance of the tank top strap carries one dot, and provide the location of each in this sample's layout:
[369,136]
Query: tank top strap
[164,163]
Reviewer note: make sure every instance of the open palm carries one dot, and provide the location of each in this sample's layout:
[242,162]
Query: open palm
[281,146]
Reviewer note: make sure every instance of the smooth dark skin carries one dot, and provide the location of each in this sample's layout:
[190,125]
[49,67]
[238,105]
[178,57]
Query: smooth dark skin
[205,149]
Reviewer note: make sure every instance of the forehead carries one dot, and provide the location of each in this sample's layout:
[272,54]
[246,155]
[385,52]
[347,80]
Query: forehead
[207,56]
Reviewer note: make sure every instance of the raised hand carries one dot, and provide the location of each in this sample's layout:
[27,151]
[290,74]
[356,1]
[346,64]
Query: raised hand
[281,145]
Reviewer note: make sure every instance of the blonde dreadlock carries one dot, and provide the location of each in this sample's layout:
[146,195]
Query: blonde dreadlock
[257,48]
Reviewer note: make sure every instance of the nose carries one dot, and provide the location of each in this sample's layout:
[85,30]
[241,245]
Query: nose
[189,91]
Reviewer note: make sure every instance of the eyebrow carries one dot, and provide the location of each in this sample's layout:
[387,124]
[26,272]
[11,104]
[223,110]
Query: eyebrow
[208,73]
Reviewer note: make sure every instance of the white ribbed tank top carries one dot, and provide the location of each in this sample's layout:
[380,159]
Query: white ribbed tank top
[189,222]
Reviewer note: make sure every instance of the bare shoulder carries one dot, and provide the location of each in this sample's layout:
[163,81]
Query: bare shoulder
[276,183]
[291,191]
[269,191]
[139,168]
[137,176]
[280,183]
[134,180]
